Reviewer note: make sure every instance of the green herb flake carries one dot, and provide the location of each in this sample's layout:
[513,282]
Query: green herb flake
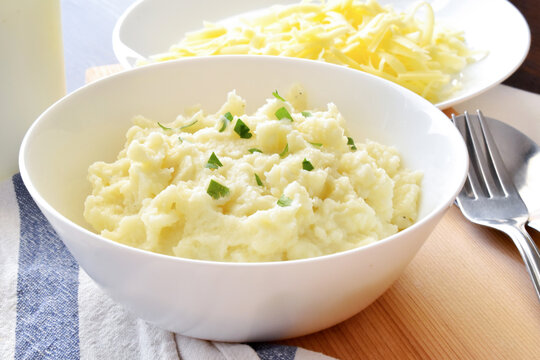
[284,201]
[242,129]
[315,144]
[226,119]
[228,116]
[216,190]
[277,96]
[180,139]
[213,162]
[350,142]
[306,165]
[254,150]
[306,114]
[285,151]
[258,180]
[163,127]
[188,125]
[282,113]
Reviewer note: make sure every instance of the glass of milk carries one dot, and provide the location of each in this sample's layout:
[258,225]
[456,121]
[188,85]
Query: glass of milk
[31,70]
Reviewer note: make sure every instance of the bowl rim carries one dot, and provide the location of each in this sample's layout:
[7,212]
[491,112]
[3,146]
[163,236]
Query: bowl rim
[43,204]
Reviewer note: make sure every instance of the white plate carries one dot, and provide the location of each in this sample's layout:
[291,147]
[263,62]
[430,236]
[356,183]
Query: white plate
[151,26]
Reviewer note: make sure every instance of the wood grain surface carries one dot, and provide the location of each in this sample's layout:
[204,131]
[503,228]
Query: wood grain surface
[466,295]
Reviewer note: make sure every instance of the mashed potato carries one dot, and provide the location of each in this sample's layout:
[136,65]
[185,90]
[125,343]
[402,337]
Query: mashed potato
[279,184]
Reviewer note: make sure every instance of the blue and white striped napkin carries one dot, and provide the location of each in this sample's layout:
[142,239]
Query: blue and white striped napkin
[50,308]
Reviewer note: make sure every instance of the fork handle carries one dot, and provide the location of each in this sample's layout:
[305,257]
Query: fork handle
[528,250]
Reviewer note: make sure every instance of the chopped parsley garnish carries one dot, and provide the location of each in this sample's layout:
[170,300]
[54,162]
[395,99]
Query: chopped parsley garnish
[216,190]
[163,127]
[242,129]
[316,144]
[285,151]
[284,201]
[258,180]
[306,113]
[226,119]
[253,150]
[350,142]
[188,125]
[277,96]
[182,127]
[282,113]
[180,139]
[213,162]
[306,165]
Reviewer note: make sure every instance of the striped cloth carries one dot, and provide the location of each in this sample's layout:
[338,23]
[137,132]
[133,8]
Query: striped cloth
[50,308]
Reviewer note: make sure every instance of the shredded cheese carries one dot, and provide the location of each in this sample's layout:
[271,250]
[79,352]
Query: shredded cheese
[404,47]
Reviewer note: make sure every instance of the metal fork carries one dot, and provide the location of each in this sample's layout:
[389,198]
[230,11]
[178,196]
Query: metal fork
[489,196]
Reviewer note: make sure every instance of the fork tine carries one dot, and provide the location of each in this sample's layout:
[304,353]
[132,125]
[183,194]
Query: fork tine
[467,190]
[480,159]
[474,187]
[504,180]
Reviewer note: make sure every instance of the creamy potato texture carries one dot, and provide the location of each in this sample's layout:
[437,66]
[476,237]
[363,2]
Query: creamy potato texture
[279,184]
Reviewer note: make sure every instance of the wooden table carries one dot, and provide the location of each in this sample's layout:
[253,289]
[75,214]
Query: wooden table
[466,295]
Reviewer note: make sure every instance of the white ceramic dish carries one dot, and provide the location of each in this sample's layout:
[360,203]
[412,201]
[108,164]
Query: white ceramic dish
[152,26]
[236,301]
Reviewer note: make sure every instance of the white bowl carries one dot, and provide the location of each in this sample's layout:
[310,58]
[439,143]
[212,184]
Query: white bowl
[236,301]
